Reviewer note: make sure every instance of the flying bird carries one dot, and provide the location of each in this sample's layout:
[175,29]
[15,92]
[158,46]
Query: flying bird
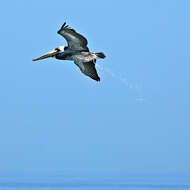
[76,51]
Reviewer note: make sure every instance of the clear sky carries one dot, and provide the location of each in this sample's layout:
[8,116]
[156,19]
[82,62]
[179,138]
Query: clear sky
[136,120]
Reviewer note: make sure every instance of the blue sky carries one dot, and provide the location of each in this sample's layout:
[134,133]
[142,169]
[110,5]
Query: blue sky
[136,120]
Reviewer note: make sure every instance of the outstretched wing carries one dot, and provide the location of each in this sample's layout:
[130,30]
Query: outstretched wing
[75,40]
[88,68]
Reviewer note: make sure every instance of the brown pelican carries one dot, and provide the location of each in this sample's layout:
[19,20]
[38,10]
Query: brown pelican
[76,51]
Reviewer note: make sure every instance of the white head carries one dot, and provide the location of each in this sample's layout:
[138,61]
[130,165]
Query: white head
[60,49]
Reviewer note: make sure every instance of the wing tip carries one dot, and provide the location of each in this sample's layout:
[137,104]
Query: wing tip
[65,26]
[98,79]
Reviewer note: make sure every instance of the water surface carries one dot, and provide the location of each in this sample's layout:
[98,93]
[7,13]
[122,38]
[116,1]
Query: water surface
[94,182]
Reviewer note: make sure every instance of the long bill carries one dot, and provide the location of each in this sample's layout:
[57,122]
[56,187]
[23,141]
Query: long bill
[49,54]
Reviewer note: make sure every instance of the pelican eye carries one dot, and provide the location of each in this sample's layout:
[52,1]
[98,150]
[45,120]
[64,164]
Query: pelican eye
[57,49]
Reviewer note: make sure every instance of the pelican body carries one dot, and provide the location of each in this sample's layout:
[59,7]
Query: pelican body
[76,51]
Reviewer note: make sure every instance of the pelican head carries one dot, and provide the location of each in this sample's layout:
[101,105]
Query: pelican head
[52,53]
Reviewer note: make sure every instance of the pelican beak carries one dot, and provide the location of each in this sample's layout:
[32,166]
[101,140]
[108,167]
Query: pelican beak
[49,54]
